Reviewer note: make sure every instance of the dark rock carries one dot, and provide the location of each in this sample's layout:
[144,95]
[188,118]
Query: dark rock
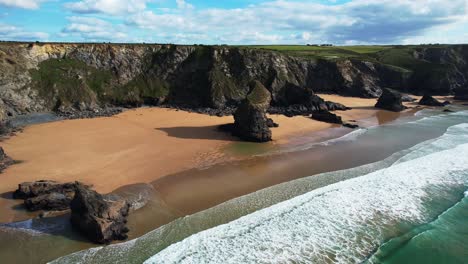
[34,189]
[353,126]
[81,113]
[447,103]
[326,116]
[53,201]
[271,123]
[448,111]
[100,218]
[5,161]
[430,101]
[461,94]
[251,122]
[390,100]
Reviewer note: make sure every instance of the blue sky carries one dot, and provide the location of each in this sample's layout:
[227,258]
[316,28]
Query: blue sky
[342,22]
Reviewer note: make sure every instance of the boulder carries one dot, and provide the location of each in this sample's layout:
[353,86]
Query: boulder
[390,100]
[271,123]
[326,116]
[5,161]
[251,122]
[430,101]
[348,125]
[100,218]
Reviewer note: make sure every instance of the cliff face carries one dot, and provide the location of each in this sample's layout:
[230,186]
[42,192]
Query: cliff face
[43,77]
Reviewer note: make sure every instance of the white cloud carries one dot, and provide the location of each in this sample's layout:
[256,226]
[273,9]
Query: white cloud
[10,32]
[93,29]
[358,21]
[112,7]
[182,4]
[26,4]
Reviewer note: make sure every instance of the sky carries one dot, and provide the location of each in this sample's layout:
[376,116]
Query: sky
[339,22]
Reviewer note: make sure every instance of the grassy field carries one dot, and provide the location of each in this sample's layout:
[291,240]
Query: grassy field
[333,52]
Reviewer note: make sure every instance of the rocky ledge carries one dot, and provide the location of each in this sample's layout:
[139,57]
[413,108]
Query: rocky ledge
[45,195]
[390,100]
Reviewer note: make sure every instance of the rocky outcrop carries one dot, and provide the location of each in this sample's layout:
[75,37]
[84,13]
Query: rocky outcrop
[5,160]
[100,218]
[390,100]
[250,120]
[326,116]
[430,101]
[45,195]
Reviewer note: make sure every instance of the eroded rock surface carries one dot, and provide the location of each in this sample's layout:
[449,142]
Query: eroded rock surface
[5,160]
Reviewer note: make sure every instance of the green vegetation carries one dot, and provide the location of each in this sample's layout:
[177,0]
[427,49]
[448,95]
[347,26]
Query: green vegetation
[332,52]
[68,81]
[259,95]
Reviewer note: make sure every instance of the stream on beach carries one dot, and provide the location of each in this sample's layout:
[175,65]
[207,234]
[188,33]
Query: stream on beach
[380,194]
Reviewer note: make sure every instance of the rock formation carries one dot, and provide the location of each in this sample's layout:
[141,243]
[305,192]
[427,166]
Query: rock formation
[326,116]
[390,100]
[250,120]
[430,101]
[100,218]
[5,161]
[45,195]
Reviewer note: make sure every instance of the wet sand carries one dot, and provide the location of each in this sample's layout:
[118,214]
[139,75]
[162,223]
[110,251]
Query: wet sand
[146,144]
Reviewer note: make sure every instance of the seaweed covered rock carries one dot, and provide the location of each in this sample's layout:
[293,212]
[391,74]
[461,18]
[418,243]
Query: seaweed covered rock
[326,116]
[5,160]
[251,122]
[430,101]
[390,100]
[100,218]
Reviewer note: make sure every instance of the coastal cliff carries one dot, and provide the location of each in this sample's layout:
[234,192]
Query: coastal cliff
[36,77]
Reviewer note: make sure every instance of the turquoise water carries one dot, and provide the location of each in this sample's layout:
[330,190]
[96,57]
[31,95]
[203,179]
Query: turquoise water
[407,208]
[444,240]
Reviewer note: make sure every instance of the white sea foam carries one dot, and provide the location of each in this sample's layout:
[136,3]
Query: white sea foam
[340,223]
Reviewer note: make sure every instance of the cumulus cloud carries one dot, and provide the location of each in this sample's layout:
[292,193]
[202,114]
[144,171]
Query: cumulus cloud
[26,4]
[10,32]
[358,21]
[112,7]
[92,29]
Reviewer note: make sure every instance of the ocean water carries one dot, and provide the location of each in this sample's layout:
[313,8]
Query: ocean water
[343,222]
[408,208]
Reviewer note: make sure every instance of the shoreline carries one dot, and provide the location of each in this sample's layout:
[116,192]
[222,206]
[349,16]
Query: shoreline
[145,145]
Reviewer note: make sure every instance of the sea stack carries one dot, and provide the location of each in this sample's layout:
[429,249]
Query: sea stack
[100,218]
[251,122]
[390,100]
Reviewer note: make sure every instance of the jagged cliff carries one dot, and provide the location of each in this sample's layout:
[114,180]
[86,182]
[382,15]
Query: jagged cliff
[42,77]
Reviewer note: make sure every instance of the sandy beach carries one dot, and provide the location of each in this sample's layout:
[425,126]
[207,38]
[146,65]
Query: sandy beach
[143,145]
